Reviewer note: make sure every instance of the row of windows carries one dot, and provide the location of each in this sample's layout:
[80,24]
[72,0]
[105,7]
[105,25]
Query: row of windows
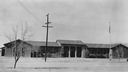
[99,51]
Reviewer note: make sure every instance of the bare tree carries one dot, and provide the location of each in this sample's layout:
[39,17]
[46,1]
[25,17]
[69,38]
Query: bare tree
[26,32]
[23,32]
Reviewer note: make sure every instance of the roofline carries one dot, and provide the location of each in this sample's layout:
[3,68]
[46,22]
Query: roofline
[44,42]
[59,44]
[68,40]
[50,46]
[73,44]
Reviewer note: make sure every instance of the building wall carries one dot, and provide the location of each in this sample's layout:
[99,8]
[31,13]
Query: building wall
[120,51]
[125,52]
[8,52]
[25,52]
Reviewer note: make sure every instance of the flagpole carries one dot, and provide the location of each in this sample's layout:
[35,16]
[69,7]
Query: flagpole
[110,50]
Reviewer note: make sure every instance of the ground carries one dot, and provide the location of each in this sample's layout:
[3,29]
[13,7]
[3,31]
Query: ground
[63,65]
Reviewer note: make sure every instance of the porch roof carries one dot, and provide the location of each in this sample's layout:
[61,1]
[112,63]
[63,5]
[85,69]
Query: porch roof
[93,45]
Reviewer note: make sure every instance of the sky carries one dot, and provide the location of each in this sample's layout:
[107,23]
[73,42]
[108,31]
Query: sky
[86,20]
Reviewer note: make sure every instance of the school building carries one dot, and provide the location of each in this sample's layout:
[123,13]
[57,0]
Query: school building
[65,49]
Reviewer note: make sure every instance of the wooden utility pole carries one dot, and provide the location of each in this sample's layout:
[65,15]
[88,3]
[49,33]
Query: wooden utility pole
[47,23]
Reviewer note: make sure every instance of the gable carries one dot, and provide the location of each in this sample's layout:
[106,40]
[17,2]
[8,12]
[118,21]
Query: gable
[120,45]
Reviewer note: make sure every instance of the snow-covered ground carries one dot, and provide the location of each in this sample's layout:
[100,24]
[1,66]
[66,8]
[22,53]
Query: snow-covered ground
[63,65]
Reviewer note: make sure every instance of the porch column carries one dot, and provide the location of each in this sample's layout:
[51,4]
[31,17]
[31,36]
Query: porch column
[75,51]
[102,51]
[36,54]
[83,52]
[69,52]
[61,51]
[122,52]
[97,50]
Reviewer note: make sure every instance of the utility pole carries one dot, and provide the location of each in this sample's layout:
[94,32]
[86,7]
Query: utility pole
[47,23]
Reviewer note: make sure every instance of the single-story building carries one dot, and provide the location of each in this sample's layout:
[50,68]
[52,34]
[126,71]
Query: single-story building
[66,48]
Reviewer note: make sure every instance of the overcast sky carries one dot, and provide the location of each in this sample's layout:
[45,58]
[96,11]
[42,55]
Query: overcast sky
[86,20]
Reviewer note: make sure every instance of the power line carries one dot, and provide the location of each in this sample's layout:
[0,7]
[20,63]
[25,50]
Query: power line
[28,11]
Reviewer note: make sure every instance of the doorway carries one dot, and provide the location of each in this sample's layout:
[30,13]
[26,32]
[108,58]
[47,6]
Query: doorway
[79,49]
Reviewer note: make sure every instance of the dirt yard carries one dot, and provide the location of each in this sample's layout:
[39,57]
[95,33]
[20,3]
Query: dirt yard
[63,65]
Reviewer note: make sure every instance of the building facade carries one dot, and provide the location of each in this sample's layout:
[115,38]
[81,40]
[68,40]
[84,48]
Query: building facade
[66,49]
[98,50]
[23,47]
[72,48]
[38,50]
[120,51]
